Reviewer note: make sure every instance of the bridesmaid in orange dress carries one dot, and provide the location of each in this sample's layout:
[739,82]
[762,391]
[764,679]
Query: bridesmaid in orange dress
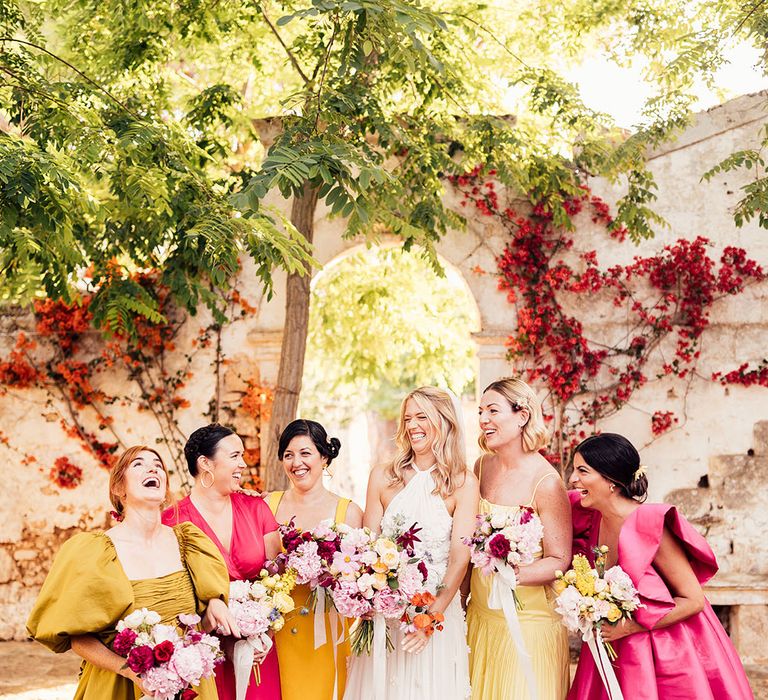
[240,525]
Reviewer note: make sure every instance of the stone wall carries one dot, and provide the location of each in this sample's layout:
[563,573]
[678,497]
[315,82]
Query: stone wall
[37,517]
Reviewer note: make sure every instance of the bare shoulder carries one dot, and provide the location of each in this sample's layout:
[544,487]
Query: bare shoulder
[469,483]
[378,475]
[354,514]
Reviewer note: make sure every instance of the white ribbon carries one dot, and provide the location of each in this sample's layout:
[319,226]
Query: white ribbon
[379,652]
[321,637]
[243,656]
[502,597]
[605,669]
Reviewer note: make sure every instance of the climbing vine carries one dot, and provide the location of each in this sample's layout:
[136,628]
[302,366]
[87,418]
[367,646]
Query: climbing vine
[665,301]
[57,351]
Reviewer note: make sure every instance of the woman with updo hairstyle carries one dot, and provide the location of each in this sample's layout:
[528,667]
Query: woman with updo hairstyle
[674,647]
[240,525]
[513,475]
[307,671]
[99,578]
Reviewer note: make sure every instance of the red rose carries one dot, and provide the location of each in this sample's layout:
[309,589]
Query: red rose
[188,694]
[141,659]
[498,546]
[124,641]
[163,651]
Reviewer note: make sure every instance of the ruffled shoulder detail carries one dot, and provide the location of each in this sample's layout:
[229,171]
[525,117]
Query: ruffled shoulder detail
[638,545]
[201,557]
[586,523]
[86,592]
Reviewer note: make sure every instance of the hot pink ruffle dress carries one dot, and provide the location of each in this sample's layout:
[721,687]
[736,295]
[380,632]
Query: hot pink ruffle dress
[690,659]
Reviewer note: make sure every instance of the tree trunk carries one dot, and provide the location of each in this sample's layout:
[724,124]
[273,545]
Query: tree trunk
[294,344]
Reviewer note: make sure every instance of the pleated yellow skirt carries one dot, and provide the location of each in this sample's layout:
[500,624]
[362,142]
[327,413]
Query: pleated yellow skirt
[495,671]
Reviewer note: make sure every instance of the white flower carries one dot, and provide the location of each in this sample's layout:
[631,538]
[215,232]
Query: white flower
[162,633]
[151,618]
[136,618]
[258,590]
[239,590]
[498,519]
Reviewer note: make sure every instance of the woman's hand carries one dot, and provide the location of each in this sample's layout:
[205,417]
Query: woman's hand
[415,642]
[625,627]
[134,677]
[218,619]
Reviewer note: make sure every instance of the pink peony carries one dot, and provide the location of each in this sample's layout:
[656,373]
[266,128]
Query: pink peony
[348,601]
[124,641]
[389,603]
[410,580]
[141,659]
[163,682]
[188,664]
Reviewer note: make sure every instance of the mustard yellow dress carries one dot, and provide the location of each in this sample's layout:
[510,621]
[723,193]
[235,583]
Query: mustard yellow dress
[87,592]
[306,672]
[495,673]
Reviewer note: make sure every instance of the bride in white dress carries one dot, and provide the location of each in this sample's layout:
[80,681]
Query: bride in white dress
[427,483]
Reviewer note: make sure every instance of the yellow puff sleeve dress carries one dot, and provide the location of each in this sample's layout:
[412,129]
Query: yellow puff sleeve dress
[87,592]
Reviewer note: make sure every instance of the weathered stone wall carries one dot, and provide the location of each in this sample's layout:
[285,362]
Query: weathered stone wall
[37,517]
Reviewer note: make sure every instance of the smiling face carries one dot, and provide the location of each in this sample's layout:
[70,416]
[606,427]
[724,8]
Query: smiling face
[593,487]
[303,463]
[418,428]
[500,423]
[144,481]
[226,464]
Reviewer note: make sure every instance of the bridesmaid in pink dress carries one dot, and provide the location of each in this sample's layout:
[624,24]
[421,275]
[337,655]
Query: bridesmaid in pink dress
[675,648]
[240,525]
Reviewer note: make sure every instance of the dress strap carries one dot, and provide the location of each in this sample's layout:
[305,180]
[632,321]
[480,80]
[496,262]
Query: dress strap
[535,488]
[273,501]
[341,511]
[480,466]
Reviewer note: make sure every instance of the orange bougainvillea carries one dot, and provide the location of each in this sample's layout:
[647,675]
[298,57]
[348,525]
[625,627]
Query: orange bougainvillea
[65,474]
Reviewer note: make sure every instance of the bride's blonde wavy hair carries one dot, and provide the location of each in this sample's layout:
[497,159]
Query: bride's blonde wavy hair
[450,462]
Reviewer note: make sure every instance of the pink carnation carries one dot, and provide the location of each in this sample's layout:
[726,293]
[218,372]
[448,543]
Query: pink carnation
[124,641]
[498,547]
[141,659]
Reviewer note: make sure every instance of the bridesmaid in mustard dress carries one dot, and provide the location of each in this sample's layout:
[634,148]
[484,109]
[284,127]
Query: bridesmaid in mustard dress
[512,473]
[98,578]
[306,672]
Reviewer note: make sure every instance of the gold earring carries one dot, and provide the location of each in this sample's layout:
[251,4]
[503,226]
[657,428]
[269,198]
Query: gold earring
[613,488]
[202,479]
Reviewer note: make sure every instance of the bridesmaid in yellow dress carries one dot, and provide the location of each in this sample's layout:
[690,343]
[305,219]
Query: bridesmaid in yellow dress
[98,578]
[306,672]
[512,473]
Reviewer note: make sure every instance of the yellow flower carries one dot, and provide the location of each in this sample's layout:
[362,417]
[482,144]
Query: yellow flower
[560,585]
[278,624]
[585,581]
[614,613]
[283,602]
[570,576]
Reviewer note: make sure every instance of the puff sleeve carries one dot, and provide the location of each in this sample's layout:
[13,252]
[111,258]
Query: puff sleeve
[205,564]
[85,592]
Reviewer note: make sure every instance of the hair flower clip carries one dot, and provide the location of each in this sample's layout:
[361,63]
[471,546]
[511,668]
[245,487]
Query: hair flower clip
[642,470]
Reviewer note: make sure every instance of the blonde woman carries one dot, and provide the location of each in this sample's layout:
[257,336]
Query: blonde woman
[512,474]
[427,483]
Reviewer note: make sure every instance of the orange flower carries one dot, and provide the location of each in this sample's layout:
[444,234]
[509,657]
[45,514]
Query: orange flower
[423,600]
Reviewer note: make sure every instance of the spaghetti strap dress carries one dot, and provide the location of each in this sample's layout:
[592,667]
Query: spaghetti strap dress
[494,666]
[306,671]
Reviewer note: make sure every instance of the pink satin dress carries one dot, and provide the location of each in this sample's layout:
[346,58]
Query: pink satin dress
[690,659]
[251,520]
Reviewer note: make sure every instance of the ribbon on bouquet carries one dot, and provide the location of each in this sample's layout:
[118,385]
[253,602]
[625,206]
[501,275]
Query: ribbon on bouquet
[596,645]
[379,652]
[502,597]
[321,637]
[243,657]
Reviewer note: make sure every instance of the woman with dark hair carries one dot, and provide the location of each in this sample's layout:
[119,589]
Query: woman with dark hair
[99,578]
[240,525]
[675,647]
[309,669]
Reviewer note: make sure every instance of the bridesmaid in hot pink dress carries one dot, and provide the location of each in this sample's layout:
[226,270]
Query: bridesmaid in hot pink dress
[675,648]
[241,526]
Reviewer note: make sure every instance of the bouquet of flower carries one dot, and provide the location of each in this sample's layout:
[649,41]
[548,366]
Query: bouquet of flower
[588,598]
[258,608]
[504,540]
[168,659]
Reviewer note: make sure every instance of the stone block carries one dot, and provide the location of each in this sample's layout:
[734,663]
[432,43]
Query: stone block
[8,570]
[25,554]
[760,444]
[749,630]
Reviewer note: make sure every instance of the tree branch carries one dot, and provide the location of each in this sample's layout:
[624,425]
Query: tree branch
[292,58]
